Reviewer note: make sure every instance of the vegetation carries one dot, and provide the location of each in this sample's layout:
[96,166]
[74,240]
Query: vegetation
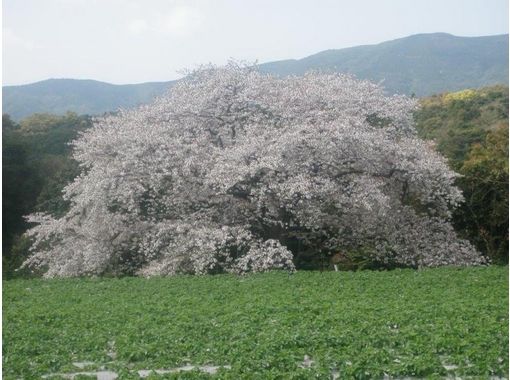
[428,323]
[458,120]
[471,129]
[237,171]
[485,184]
[36,164]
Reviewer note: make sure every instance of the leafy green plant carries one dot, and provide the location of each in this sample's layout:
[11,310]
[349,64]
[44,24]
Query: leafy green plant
[430,323]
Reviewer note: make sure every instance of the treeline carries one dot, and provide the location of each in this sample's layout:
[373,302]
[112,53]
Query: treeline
[470,128]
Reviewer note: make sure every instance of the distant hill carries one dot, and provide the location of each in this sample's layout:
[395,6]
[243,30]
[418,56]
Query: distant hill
[57,96]
[421,64]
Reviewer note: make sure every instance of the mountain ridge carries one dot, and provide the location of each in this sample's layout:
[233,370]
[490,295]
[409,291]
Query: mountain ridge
[83,96]
[420,64]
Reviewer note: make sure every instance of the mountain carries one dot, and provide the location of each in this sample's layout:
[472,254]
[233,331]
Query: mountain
[57,96]
[421,64]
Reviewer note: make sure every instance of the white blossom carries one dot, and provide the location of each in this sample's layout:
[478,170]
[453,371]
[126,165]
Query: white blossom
[229,168]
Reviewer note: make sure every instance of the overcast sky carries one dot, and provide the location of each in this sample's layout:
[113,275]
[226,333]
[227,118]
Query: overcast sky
[132,41]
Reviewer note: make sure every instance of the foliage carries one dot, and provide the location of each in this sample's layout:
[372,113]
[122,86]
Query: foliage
[460,95]
[456,121]
[485,185]
[35,165]
[471,128]
[233,167]
[20,183]
[18,252]
[41,122]
[403,323]
[50,134]
[8,124]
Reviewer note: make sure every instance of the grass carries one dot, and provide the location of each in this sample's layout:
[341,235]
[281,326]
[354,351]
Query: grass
[360,324]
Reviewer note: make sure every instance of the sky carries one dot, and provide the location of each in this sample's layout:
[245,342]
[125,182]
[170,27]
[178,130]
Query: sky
[134,41]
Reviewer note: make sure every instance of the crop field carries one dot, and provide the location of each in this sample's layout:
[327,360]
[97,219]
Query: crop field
[432,323]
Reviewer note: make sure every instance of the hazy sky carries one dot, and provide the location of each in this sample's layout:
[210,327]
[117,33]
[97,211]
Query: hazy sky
[131,41]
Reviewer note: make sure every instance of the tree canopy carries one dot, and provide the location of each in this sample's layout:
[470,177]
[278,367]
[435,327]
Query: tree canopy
[236,171]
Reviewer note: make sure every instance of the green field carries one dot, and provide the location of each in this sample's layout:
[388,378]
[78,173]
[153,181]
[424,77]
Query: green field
[431,323]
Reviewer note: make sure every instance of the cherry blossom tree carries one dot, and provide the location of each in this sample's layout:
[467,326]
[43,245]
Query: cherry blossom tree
[233,169]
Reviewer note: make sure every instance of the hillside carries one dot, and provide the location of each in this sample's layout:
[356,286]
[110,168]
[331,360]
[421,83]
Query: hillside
[421,64]
[57,96]
[471,129]
[460,119]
